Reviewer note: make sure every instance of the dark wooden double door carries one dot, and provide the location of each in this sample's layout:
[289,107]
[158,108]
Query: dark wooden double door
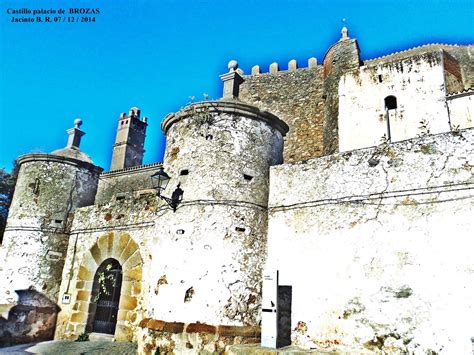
[105,297]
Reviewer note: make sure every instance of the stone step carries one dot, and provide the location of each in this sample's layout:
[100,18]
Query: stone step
[255,349]
[101,337]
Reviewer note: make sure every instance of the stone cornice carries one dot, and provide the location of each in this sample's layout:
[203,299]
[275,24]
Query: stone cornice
[225,106]
[33,157]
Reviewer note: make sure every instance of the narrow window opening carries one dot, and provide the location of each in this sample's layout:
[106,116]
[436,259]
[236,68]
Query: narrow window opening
[35,186]
[248,177]
[380,78]
[120,197]
[390,102]
[209,137]
[240,229]
[58,221]
[184,172]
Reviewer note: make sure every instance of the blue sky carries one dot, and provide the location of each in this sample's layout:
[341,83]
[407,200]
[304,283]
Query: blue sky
[156,54]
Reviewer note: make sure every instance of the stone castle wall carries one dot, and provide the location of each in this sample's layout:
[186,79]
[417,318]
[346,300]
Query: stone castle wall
[125,183]
[296,97]
[342,57]
[226,150]
[121,230]
[376,244]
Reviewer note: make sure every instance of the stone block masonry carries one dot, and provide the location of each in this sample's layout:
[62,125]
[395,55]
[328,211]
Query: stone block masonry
[296,97]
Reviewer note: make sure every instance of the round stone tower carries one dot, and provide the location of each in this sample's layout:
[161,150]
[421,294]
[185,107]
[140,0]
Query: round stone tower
[48,190]
[209,254]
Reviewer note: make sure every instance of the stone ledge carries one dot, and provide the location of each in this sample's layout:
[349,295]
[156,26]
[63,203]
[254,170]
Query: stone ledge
[179,327]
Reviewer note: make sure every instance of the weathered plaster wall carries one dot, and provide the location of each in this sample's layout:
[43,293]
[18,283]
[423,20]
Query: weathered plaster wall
[461,109]
[417,82]
[296,97]
[226,147]
[464,55]
[121,230]
[125,183]
[377,246]
[48,190]
[219,229]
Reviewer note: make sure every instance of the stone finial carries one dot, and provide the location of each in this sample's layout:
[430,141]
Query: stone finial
[344,33]
[77,123]
[75,135]
[232,80]
[312,62]
[255,70]
[232,65]
[274,68]
[292,65]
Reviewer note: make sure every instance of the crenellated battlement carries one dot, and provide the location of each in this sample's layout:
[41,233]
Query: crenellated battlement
[274,67]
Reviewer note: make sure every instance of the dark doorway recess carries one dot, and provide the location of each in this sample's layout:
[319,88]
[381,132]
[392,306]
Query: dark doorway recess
[284,316]
[105,297]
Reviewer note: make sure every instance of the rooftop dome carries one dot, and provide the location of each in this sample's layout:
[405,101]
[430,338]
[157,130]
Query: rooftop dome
[74,140]
[73,152]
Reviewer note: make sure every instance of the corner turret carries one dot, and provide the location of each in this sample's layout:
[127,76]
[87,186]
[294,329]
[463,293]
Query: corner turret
[48,190]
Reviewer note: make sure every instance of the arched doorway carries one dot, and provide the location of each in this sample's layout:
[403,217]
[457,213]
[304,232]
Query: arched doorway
[105,297]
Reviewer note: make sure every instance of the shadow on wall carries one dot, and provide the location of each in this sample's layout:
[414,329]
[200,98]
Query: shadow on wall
[33,319]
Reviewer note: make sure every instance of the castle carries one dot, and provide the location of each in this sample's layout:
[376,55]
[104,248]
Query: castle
[327,207]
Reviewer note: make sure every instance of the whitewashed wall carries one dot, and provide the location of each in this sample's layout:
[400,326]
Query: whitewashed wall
[461,109]
[418,84]
[377,246]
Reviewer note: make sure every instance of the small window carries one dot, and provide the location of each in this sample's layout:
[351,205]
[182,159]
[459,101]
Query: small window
[380,78]
[184,172]
[248,177]
[390,102]
[120,196]
[240,229]
[58,221]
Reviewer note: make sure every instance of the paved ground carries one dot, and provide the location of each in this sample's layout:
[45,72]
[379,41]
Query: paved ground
[70,347]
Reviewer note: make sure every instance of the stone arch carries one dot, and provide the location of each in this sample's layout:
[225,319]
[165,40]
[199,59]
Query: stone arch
[122,247]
